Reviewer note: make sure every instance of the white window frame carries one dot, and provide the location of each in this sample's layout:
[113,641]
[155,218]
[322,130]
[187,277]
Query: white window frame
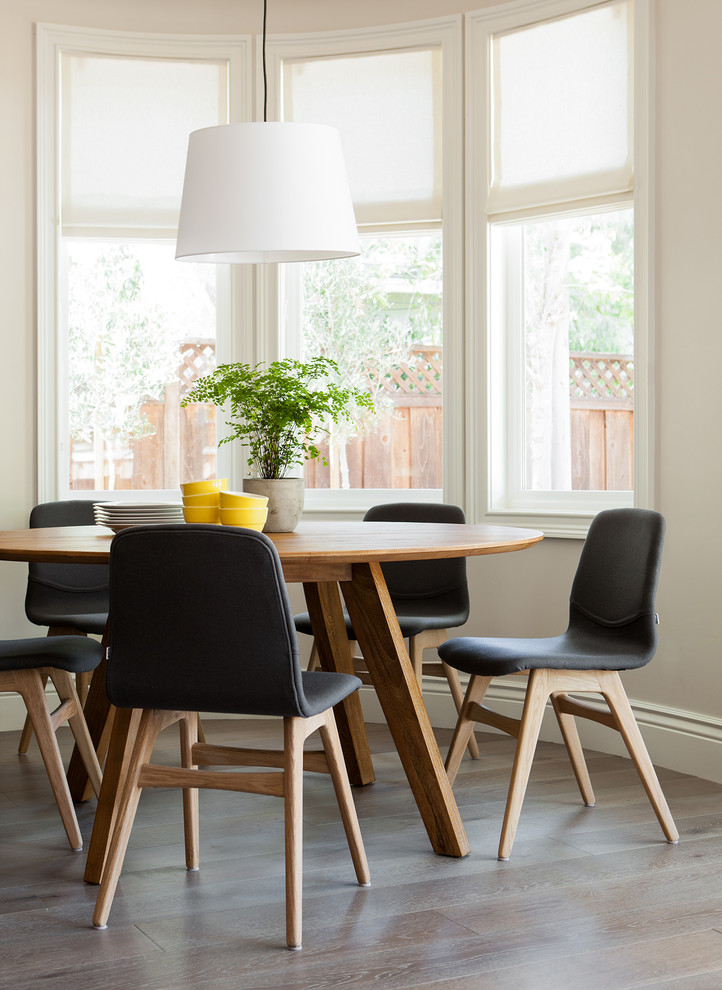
[235,286]
[444,33]
[493,493]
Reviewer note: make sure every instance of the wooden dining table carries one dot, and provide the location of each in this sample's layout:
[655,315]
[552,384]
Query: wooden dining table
[330,559]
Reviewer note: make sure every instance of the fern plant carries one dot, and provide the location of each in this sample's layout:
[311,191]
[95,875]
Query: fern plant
[280,411]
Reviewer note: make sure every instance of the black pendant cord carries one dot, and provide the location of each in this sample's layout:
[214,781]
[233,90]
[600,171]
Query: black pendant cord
[263,56]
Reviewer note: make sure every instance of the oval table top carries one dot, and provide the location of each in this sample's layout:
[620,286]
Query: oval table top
[314,551]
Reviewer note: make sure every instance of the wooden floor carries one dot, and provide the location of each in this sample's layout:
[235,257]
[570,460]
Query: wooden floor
[592,898]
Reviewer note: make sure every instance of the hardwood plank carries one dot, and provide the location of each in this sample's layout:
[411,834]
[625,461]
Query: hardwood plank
[619,969]
[591,897]
[704,981]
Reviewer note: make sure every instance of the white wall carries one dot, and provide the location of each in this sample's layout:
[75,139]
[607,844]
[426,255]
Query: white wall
[679,697]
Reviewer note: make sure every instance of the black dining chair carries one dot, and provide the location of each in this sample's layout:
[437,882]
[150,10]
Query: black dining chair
[200,620]
[429,598]
[25,665]
[70,599]
[612,627]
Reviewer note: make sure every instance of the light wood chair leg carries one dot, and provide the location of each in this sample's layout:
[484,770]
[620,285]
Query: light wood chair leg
[82,684]
[537,693]
[188,728]
[478,686]
[342,787]
[27,734]
[456,693]
[429,640]
[294,735]
[66,691]
[31,685]
[314,661]
[616,697]
[568,727]
[150,725]
[416,655]
[124,723]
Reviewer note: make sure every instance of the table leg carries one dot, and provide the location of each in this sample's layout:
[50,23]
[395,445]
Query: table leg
[329,633]
[99,717]
[125,728]
[377,630]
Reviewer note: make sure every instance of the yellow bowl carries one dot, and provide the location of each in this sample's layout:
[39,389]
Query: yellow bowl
[201,514]
[202,501]
[201,487]
[248,518]
[242,500]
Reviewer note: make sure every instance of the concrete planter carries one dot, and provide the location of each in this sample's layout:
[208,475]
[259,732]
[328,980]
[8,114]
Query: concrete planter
[285,501]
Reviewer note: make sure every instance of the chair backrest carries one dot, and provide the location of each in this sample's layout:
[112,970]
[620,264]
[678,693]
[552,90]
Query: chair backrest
[616,580]
[424,579]
[200,621]
[65,588]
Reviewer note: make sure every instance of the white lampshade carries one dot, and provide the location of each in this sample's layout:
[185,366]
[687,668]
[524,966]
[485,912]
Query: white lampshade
[266,192]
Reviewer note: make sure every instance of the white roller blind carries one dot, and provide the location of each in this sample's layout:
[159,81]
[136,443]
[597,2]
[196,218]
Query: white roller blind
[125,127]
[562,110]
[388,109]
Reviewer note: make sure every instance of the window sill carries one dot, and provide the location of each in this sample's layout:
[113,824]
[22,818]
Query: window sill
[561,524]
[339,504]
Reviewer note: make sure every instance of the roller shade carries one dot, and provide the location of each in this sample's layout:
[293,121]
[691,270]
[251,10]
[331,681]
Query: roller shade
[562,105]
[124,136]
[387,107]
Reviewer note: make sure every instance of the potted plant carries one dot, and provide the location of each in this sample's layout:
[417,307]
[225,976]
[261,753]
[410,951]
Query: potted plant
[280,411]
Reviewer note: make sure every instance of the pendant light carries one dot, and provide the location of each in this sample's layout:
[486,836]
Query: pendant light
[266,192]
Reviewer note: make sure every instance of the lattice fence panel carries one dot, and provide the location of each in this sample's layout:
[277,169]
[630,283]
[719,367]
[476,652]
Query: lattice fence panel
[198,358]
[601,377]
[419,375]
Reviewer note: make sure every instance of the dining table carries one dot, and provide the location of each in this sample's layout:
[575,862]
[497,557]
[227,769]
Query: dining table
[335,562]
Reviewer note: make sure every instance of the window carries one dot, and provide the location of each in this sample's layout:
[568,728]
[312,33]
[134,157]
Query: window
[500,309]
[131,328]
[570,341]
[561,311]
[383,316]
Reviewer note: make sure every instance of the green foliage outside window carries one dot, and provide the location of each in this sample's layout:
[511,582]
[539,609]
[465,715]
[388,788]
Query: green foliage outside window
[121,350]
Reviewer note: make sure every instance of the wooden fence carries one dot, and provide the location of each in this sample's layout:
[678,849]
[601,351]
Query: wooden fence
[180,443]
[403,452]
[602,421]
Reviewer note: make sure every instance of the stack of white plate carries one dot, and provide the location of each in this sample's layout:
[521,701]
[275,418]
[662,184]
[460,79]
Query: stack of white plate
[121,515]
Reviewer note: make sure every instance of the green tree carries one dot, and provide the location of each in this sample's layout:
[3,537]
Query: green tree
[601,284]
[121,353]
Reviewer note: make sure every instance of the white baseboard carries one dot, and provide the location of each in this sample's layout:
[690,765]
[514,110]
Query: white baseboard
[679,740]
[676,739]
